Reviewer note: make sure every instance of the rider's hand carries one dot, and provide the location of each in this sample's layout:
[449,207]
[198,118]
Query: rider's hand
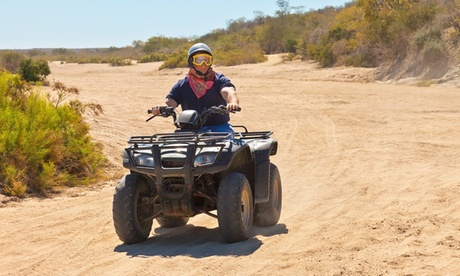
[156,110]
[233,107]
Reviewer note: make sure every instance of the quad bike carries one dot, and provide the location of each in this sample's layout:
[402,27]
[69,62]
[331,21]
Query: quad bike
[175,176]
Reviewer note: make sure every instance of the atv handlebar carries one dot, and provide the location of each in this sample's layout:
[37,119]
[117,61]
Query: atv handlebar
[166,111]
[221,110]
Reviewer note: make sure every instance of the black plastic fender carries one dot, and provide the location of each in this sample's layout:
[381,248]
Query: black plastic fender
[262,150]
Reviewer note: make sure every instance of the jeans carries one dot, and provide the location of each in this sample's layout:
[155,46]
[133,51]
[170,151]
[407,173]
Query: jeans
[220,128]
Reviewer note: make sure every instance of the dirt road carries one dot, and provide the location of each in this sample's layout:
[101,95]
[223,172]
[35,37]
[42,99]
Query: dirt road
[370,173]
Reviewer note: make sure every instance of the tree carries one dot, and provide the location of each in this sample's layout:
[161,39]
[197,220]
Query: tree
[161,44]
[138,44]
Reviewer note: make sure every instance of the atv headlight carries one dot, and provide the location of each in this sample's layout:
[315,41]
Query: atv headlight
[142,159]
[206,158]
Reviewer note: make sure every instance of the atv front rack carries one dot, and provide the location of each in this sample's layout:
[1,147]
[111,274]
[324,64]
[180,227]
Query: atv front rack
[251,135]
[180,137]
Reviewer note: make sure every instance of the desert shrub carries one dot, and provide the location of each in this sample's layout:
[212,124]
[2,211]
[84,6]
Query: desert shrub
[333,47]
[291,45]
[424,35]
[175,60]
[164,45]
[10,61]
[61,51]
[90,59]
[322,54]
[228,55]
[116,61]
[360,60]
[434,51]
[429,42]
[289,57]
[35,53]
[240,56]
[153,58]
[42,145]
[32,70]
[425,83]
[62,92]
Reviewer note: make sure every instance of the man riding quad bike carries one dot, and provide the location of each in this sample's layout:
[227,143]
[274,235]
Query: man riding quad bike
[178,175]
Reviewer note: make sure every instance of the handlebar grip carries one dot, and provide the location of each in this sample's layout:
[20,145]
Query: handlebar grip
[224,107]
[162,109]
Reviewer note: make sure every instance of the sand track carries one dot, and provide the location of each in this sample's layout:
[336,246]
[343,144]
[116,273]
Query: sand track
[370,173]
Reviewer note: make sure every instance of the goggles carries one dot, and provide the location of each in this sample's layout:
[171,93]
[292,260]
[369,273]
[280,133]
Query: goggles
[200,59]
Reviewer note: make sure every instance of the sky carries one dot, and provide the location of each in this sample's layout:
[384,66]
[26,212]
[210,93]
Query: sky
[71,24]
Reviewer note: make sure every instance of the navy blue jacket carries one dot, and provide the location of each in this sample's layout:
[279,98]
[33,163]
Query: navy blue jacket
[184,96]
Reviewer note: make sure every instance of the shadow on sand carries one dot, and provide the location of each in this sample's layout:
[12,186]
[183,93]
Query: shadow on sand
[197,242]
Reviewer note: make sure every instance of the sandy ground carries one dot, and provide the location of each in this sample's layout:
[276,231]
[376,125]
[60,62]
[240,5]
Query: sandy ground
[370,173]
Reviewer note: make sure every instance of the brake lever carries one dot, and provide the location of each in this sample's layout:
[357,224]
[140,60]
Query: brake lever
[150,118]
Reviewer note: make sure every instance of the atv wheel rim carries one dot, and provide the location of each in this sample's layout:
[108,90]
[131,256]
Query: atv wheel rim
[245,207]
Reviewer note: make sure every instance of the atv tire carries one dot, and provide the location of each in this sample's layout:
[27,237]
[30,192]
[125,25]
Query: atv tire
[235,208]
[172,222]
[268,213]
[130,206]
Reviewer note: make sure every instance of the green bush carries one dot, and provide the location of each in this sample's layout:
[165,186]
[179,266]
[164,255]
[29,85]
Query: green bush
[434,51]
[240,56]
[34,70]
[163,45]
[42,145]
[322,54]
[429,42]
[116,61]
[424,35]
[153,58]
[175,60]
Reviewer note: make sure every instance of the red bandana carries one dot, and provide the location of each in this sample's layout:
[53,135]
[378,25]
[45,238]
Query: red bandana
[199,85]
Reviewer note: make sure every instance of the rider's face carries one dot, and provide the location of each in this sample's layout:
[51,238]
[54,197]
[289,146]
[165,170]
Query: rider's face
[202,68]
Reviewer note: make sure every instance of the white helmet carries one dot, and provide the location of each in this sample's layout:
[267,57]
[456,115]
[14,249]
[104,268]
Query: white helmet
[197,48]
